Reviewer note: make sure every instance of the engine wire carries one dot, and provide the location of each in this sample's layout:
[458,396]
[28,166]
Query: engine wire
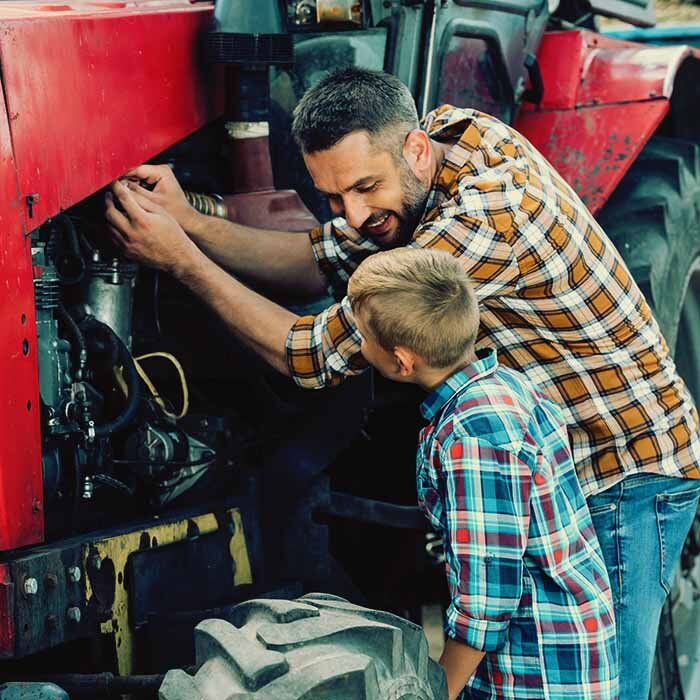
[151,386]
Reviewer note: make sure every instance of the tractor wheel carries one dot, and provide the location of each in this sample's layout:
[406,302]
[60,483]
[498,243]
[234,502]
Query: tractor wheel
[654,220]
[318,646]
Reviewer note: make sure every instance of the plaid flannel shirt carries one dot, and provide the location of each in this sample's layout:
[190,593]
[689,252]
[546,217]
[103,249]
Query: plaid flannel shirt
[556,300]
[527,578]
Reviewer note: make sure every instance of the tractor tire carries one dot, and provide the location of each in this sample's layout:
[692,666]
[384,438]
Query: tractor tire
[653,219]
[316,647]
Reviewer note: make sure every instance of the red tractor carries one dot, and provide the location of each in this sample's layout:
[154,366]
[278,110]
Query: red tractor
[154,476]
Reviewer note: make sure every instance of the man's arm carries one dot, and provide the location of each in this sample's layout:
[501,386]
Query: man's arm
[277,259]
[459,662]
[148,234]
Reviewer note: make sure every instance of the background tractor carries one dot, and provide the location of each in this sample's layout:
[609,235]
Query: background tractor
[154,475]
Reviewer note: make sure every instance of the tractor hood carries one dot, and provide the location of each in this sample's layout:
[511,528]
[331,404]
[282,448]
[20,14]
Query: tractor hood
[92,89]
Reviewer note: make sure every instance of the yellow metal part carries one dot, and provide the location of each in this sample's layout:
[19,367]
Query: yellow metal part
[118,549]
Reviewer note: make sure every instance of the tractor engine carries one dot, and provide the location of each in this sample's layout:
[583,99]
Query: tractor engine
[105,424]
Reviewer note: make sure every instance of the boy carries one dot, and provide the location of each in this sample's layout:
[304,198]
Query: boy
[531,612]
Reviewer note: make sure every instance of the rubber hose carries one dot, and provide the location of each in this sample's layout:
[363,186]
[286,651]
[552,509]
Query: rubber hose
[74,246]
[78,336]
[131,378]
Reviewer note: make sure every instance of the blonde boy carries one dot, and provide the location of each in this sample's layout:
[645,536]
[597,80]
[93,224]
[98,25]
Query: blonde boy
[531,612]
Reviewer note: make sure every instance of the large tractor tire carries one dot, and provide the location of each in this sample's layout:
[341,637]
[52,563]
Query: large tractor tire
[654,220]
[316,647]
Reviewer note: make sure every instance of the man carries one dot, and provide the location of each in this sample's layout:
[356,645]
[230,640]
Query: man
[556,301]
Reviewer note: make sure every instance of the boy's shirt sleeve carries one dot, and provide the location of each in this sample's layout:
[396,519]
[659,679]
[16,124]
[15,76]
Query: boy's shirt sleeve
[486,517]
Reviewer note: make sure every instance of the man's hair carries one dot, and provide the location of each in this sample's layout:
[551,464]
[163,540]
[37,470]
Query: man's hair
[421,299]
[354,99]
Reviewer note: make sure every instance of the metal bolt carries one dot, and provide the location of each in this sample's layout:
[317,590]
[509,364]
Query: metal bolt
[74,573]
[31,586]
[73,614]
[96,562]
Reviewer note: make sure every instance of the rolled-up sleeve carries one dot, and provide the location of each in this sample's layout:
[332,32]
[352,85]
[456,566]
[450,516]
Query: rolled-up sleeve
[485,526]
[322,350]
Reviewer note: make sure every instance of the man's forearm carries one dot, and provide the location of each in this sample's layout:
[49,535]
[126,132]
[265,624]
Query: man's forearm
[280,260]
[258,322]
[459,662]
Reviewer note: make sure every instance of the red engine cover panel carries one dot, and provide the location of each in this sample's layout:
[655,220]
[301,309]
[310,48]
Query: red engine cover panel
[91,90]
[603,100]
[95,90]
[21,493]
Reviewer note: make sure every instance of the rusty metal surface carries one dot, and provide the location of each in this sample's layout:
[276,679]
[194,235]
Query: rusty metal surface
[603,100]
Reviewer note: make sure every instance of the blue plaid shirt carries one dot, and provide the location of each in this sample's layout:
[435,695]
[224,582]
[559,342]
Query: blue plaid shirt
[527,579]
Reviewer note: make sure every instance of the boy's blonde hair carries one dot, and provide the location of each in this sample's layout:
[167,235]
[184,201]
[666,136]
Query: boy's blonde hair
[421,299]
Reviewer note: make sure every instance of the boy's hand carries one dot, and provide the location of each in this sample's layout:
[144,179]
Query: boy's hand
[146,232]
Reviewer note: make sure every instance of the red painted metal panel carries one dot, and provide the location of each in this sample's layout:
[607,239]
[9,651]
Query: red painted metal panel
[95,90]
[21,493]
[603,100]
[593,147]
[583,68]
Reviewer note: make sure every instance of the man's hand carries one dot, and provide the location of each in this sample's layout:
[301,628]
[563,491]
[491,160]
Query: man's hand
[164,190]
[146,232]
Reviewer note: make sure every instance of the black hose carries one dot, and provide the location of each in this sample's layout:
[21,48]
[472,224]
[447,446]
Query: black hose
[78,336]
[70,254]
[131,378]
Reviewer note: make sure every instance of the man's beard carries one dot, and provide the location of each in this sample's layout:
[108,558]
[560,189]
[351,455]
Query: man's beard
[415,196]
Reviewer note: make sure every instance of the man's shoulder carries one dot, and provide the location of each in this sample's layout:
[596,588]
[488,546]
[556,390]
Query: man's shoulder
[450,123]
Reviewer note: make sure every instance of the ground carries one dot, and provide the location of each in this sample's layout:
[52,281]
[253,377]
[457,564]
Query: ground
[667,12]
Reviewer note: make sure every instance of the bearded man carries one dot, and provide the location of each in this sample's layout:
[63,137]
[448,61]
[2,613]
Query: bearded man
[557,302]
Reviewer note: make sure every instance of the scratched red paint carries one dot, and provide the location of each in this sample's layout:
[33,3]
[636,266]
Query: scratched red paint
[601,105]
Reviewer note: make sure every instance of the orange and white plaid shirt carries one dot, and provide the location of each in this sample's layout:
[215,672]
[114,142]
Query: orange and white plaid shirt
[556,298]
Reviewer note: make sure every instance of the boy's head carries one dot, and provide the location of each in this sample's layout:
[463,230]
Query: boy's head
[416,311]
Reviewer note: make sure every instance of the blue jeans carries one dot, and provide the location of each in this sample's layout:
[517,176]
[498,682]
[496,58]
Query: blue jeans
[641,524]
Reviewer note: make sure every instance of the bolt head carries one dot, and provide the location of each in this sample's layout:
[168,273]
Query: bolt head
[96,562]
[31,586]
[73,614]
[74,574]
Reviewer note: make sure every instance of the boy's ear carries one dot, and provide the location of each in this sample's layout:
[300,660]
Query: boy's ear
[405,362]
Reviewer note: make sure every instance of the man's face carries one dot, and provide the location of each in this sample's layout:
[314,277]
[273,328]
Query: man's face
[382,199]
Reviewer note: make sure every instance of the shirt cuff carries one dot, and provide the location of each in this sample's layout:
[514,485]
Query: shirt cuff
[480,634]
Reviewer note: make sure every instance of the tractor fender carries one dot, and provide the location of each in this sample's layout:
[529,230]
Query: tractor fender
[603,100]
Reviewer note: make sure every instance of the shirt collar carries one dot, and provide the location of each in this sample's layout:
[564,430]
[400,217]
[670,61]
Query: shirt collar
[486,364]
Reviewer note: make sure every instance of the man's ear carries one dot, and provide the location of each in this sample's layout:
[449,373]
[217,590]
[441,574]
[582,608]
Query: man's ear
[416,152]
[405,362]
